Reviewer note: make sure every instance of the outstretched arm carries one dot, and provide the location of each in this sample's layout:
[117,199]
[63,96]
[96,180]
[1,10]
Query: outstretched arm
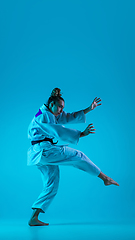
[94,104]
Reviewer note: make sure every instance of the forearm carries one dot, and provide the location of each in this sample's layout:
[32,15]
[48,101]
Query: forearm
[87,110]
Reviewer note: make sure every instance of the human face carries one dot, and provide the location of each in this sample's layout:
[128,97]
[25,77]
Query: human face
[57,108]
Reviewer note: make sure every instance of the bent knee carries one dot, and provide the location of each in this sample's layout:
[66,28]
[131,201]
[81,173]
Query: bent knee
[81,154]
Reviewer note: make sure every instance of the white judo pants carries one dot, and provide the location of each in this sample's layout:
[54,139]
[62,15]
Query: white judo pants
[51,158]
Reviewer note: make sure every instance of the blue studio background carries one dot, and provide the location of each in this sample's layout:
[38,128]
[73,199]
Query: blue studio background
[87,49]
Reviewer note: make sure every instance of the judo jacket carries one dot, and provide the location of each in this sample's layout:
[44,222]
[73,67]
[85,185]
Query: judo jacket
[45,124]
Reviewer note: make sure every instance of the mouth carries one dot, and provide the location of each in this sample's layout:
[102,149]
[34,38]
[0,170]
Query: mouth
[57,114]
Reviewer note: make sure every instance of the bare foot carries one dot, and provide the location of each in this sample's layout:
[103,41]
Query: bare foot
[108,181]
[35,222]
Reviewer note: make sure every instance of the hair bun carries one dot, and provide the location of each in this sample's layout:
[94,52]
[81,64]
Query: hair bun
[56,92]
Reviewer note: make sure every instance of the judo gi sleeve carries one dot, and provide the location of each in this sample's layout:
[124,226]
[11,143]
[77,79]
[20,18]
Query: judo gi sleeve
[74,117]
[60,132]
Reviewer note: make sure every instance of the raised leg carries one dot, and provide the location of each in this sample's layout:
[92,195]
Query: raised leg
[107,180]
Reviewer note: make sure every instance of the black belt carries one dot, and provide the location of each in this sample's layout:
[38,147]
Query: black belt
[45,139]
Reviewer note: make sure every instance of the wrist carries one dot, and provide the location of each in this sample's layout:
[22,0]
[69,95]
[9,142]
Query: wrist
[87,109]
[90,107]
[82,134]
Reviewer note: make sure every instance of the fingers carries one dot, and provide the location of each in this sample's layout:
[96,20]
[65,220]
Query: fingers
[91,128]
[90,124]
[97,100]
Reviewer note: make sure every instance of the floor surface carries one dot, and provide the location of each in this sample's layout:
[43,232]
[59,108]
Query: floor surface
[19,230]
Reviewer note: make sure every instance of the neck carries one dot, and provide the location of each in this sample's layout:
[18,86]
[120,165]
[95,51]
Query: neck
[48,108]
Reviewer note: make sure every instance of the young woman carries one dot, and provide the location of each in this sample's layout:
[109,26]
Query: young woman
[47,155]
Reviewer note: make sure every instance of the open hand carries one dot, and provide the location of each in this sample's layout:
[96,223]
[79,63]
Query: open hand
[95,103]
[88,130]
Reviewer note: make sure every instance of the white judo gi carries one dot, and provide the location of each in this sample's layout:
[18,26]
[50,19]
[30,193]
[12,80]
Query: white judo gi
[47,156]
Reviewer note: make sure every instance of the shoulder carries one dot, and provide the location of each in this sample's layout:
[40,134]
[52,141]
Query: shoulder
[44,115]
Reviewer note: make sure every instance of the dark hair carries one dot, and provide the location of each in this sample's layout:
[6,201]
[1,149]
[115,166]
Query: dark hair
[55,96]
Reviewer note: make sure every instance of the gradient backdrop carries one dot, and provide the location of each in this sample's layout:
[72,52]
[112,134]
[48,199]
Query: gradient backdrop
[86,48]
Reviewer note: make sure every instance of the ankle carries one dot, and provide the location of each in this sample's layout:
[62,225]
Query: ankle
[36,212]
[102,176]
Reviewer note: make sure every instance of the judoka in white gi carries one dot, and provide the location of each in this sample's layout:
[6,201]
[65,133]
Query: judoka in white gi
[46,126]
